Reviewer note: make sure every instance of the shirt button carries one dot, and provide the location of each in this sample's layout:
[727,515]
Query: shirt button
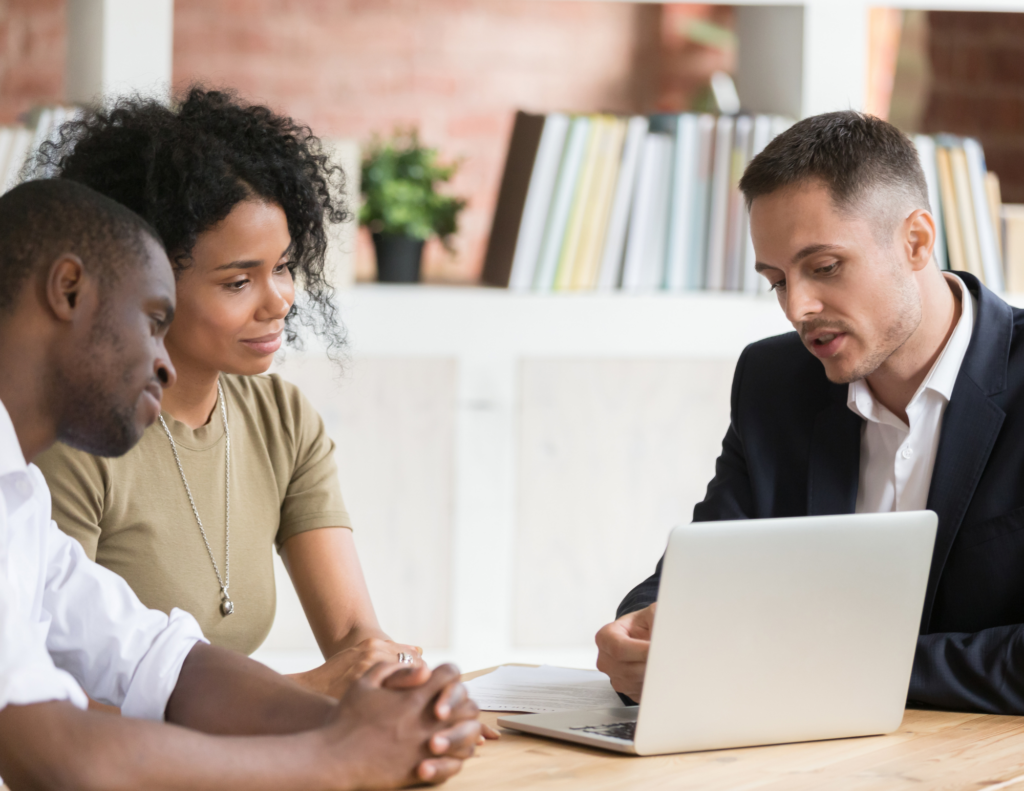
[907,453]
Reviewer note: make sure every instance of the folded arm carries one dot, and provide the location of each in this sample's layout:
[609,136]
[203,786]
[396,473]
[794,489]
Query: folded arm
[384,733]
[980,671]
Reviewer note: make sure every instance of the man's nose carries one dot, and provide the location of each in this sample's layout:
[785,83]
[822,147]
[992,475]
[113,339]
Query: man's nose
[801,301]
[163,368]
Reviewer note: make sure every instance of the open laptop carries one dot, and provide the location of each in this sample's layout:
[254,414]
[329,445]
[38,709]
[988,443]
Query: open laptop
[770,631]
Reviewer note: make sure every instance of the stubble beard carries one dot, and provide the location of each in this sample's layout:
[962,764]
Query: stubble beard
[906,312]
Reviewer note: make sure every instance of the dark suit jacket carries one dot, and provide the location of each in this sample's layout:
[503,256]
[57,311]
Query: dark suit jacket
[793,449]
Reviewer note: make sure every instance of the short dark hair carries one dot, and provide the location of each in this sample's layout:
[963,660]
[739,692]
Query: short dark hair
[185,167]
[42,220]
[852,153]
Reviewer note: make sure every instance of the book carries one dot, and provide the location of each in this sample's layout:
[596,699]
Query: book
[950,216]
[1013,221]
[991,262]
[696,265]
[718,217]
[735,226]
[588,262]
[561,203]
[752,282]
[926,154]
[641,269]
[537,201]
[510,212]
[613,252]
[995,204]
[965,211]
[582,204]
[17,155]
[681,202]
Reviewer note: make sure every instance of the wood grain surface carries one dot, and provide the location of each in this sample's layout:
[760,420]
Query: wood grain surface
[931,750]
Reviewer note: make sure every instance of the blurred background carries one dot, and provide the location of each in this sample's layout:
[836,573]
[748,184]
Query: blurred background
[513,460]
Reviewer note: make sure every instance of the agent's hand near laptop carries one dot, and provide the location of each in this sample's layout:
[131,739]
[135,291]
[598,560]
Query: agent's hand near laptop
[623,646]
[86,296]
[902,389]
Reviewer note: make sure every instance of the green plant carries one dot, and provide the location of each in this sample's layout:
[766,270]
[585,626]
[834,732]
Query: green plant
[399,186]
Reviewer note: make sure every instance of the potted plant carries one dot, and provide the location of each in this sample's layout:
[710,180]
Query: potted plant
[401,204]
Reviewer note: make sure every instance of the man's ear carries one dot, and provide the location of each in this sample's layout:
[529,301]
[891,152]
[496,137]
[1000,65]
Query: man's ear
[64,283]
[920,238]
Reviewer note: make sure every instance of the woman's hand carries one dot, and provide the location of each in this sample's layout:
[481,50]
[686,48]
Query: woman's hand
[335,676]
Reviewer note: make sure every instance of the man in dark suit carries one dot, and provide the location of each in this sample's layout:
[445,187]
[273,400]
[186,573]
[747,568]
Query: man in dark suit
[901,389]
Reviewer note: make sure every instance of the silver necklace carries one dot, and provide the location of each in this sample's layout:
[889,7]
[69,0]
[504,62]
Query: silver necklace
[226,605]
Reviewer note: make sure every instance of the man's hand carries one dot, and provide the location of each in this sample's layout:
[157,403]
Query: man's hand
[622,650]
[397,725]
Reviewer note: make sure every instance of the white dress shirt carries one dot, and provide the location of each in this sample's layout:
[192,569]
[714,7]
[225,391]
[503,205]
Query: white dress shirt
[67,623]
[897,459]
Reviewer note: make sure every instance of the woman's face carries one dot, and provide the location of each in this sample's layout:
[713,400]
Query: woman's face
[233,299]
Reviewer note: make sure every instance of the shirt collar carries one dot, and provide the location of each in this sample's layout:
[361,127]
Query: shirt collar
[940,379]
[11,457]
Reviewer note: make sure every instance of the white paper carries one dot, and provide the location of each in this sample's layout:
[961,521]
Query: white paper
[542,690]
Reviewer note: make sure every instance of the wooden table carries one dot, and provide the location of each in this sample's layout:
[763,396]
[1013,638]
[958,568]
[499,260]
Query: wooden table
[931,750]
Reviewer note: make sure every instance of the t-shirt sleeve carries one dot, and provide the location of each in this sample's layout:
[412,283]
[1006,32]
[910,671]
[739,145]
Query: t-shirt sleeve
[313,496]
[77,486]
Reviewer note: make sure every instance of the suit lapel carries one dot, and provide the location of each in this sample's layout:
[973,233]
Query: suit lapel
[970,427]
[835,459]
[969,430]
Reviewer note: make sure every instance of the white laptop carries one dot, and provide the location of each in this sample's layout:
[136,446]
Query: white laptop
[770,631]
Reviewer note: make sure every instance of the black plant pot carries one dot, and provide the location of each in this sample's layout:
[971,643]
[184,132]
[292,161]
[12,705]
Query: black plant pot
[398,257]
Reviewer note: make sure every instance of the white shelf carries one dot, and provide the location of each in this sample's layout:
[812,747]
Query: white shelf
[468,321]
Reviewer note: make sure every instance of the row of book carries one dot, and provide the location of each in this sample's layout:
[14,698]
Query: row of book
[966,204]
[598,202]
[19,142]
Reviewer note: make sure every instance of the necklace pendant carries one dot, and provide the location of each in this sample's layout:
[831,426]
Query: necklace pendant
[226,607]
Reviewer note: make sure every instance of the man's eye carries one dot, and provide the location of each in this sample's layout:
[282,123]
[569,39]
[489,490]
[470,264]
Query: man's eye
[828,270]
[237,285]
[778,285]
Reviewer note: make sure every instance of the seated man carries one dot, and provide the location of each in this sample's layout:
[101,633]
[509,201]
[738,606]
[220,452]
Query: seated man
[901,389]
[86,296]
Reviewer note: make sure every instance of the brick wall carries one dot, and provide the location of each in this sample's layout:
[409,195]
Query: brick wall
[32,46]
[977,64]
[458,68]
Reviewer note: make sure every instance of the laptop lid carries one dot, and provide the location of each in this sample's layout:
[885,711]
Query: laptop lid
[782,630]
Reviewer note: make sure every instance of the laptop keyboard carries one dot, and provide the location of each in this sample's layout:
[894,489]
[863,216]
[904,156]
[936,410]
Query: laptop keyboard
[616,730]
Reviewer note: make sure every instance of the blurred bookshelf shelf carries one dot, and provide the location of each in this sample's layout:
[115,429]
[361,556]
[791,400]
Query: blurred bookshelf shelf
[474,321]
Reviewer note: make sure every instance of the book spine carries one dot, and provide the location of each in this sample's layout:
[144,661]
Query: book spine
[538,201]
[561,204]
[680,223]
[950,215]
[613,254]
[990,260]
[719,213]
[582,205]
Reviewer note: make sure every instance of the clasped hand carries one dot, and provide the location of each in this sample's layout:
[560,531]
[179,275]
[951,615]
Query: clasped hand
[398,725]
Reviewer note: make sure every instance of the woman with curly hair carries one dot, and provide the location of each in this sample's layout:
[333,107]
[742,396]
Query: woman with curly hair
[239,460]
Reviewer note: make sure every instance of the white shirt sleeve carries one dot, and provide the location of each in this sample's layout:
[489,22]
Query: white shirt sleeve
[121,652]
[27,673]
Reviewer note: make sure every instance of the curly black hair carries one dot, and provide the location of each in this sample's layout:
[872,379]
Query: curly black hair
[185,167]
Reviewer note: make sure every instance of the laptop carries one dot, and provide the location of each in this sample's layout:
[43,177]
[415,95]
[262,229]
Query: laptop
[770,631]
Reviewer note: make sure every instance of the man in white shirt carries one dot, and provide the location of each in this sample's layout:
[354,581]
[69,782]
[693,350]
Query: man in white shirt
[901,389]
[86,296]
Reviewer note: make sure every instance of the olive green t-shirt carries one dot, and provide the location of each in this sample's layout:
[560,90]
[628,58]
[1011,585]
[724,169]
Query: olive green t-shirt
[133,516]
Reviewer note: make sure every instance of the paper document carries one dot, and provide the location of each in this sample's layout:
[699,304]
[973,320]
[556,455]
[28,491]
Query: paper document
[542,689]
